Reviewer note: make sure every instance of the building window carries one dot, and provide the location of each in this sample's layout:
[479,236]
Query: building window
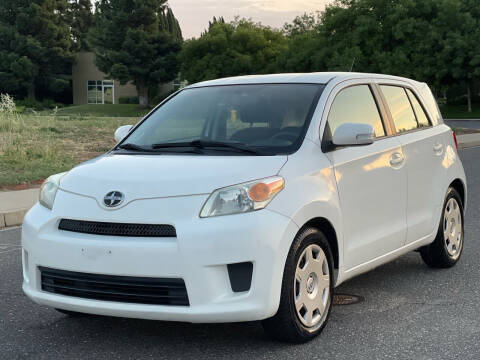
[100,92]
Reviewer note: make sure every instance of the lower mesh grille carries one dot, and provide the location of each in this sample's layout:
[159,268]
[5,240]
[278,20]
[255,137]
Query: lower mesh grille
[117,229]
[126,289]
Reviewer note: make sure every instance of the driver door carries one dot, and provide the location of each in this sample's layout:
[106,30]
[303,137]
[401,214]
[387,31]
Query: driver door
[371,179]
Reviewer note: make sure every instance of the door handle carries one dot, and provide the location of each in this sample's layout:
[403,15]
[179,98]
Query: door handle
[438,148]
[396,159]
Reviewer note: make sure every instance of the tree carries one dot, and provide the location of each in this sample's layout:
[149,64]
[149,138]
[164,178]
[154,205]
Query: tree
[303,24]
[81,20]
[136,40]
[460,51]
[35,46]
[430,40]
[228,49]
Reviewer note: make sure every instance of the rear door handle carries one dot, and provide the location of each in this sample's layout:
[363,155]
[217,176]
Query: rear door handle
[396,159]
[438,148]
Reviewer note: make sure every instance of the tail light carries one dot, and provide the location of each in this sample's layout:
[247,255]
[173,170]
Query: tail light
[455,139]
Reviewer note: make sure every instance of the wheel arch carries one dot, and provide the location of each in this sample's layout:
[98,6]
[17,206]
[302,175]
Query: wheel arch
[326,227]
[460,187]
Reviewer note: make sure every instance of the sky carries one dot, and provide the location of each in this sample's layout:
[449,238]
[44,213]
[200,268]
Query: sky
[193,15]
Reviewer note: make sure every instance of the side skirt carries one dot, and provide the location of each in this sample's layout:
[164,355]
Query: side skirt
[372,264]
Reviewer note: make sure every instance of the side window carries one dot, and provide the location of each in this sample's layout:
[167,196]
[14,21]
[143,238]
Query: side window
[419,112]
[400,108]
[355,104]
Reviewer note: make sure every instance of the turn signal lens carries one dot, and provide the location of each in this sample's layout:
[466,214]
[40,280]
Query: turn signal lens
[263,191]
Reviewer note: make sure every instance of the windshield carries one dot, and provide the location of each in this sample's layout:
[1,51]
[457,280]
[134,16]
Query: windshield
[264,119]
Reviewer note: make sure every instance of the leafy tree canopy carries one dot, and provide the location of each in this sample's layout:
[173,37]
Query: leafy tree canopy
[228,49]
[430,40]
[136,40]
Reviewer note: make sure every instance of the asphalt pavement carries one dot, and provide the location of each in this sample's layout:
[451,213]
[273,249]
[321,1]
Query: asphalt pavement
[409,312]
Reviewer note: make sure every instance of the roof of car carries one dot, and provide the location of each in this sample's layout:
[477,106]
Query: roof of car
[308,78]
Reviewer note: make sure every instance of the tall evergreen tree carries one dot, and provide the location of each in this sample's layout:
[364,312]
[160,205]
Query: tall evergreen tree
[35,46]
[136,40]
[81,20]
[170,24]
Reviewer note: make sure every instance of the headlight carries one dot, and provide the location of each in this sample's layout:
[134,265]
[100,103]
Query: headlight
[251,196]
[49,189]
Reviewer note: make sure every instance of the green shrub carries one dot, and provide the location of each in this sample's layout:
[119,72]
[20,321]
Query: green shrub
[45,104]
[128,100]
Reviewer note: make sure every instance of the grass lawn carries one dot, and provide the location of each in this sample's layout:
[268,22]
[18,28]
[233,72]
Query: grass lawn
[460,112]
[102,110]
[34,147]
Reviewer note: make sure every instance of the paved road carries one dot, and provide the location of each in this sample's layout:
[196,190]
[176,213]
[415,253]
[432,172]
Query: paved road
[409,312]
[468,124]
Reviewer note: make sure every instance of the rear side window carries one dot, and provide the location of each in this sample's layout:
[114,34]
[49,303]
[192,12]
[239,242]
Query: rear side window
[400,108]
[355,104]
[419,112]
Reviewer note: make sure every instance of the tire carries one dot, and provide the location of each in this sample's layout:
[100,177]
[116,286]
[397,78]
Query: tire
[315,289]
[71,313]
[446,249]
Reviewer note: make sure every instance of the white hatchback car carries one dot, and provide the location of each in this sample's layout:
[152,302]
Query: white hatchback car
[250,198]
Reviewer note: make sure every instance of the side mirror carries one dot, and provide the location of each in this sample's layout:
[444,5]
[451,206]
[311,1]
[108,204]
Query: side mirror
[353,134]
[121,132]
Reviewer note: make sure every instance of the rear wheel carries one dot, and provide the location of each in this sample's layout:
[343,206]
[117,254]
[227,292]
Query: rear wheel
[446,249]
[307,289]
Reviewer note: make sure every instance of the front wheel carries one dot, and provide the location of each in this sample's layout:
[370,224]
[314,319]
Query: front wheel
[307,290]
[446,249]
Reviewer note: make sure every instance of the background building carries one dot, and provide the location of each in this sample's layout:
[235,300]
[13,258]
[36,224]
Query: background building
[91,86]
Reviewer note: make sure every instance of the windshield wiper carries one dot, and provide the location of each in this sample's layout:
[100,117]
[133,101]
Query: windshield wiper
[134,147]
[130,146]
[202,144]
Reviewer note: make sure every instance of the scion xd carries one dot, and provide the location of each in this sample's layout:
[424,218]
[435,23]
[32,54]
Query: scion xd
[250,198]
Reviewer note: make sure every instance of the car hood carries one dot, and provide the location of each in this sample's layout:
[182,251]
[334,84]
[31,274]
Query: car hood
[155,176]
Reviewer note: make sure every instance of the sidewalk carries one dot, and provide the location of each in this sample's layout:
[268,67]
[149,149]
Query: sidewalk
[14,204]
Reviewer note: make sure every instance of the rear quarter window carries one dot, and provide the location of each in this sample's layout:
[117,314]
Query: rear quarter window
[422,118]
[400,108]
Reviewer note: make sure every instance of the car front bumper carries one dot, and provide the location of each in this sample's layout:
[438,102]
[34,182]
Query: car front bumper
[199,255]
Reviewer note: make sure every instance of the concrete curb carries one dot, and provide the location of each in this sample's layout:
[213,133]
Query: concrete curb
[12,218]
[468,141]
[15,204]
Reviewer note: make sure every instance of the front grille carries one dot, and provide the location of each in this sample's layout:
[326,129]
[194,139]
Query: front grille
[126,289]
[117,229]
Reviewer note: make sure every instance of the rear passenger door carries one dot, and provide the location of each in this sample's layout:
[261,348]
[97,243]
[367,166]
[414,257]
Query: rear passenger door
[371,180]
[423,148]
